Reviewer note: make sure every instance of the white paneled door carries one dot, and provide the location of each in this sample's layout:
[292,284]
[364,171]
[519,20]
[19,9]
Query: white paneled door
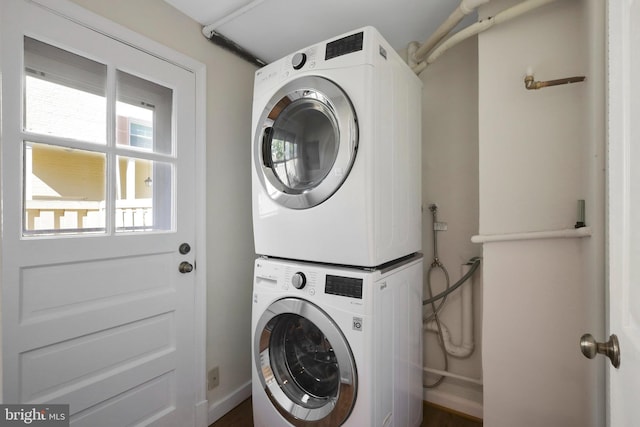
[624,209]
[99,288]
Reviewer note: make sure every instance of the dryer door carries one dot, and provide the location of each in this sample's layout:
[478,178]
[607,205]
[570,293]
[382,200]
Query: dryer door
[306,142]
[305,364]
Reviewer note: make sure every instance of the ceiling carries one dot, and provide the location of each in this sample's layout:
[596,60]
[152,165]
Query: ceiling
[271,29]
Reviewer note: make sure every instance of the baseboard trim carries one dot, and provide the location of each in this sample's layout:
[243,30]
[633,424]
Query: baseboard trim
[219,408]
[456,404]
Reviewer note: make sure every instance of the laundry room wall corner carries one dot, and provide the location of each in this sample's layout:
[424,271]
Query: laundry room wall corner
[229,240]
[450,180]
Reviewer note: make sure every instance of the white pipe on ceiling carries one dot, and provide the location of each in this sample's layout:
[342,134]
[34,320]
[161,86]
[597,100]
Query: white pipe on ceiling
[478,27]
[208,30]
[465,8]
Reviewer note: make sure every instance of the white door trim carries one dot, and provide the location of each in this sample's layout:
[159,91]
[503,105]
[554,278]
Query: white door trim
[622,210]
[124,35]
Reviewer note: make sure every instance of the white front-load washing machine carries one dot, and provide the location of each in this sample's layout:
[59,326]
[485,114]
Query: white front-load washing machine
[337,346]
[336,154]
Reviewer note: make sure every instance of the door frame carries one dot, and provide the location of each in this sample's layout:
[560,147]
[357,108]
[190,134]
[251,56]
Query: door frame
[81,16]
[620,408]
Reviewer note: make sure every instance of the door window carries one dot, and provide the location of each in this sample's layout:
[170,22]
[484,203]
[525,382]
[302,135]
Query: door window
[98,157]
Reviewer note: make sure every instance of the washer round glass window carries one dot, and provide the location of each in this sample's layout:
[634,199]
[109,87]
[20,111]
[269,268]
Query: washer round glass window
[303,360]
[304,363]
[306,142]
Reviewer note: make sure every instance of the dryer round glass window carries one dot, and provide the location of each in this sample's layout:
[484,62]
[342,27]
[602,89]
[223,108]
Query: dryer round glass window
[304,362]
[306,142]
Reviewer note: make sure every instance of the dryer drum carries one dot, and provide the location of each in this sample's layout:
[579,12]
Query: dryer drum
[306,142]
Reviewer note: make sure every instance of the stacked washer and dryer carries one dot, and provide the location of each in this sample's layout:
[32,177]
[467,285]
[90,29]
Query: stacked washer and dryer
[337,297]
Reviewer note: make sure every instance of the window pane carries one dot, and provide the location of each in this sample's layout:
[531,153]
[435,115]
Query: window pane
[143,111]
[64,93]
[64,190]
[144,195]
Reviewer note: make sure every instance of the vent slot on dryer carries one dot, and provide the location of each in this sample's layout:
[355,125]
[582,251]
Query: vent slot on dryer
[343,286]
[345,45]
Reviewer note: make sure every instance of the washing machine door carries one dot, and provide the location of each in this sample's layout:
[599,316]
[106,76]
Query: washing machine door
[305,364]
[306,142]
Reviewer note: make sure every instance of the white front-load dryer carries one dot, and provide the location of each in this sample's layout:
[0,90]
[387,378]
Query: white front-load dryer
[336,154]
[337,346]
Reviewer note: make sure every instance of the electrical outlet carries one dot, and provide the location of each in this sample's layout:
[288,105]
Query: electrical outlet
[213,379]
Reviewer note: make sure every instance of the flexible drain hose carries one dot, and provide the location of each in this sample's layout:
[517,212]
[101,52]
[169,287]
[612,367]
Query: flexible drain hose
[437,265]
[474,262]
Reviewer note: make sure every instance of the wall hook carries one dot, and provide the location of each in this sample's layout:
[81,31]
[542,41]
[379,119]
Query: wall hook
[530,83]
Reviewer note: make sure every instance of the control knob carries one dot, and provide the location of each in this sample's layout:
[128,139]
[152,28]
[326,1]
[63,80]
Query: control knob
[298,280]
[298,61]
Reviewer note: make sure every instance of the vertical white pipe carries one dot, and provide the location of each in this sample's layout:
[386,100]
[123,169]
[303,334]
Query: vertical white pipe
[467,309]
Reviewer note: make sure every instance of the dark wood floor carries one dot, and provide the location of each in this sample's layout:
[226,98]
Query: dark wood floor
[434,416]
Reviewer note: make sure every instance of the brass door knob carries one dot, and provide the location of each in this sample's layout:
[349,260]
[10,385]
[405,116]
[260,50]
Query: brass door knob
[590,348]
[185,267]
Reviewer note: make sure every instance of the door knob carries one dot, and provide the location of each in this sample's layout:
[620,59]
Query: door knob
[185,267]
[590,348]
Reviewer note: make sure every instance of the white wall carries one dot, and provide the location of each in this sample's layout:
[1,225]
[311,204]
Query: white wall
[229,231]
[541,151]
[450,179]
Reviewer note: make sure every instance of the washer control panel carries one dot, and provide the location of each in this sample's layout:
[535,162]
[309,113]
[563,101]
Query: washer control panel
[307,280]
